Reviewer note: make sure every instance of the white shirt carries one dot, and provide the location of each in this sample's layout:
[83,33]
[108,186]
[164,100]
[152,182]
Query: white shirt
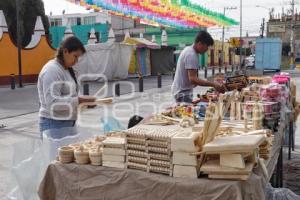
[57,91]
[188,59]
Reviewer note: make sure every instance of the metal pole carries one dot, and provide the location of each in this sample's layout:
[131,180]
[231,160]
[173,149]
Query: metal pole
[19,42]
[223,38]
[159,80]
[292,36]
[223,32]
[141,84]
[241,31]
[117,89]
[12,81]
[263,28]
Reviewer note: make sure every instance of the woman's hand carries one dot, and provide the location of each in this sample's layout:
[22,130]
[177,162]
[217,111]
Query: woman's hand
[87,100]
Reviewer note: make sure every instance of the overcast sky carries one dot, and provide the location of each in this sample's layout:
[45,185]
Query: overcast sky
[252,15]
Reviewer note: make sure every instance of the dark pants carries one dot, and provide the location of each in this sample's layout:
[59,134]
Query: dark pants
[180,98]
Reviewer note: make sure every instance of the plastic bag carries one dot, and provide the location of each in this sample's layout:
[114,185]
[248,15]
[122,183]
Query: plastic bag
[52,140]
[280,194]
[111,124]
[31,159]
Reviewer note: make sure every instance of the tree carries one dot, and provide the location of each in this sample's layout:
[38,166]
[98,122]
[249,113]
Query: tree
[29,10]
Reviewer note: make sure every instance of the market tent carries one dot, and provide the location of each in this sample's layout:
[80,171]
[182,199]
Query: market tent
[162,60]
[109,59]
[140,64]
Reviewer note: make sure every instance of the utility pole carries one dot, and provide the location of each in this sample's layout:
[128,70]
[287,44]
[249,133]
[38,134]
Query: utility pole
[262,28]
[223,33]
[292,61]
[19,40]
[241,31]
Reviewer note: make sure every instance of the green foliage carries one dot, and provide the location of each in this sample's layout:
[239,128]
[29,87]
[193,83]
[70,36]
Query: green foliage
[29,10]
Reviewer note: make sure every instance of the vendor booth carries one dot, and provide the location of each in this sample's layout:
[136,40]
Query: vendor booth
[140,62]
[162,60]
[222,146]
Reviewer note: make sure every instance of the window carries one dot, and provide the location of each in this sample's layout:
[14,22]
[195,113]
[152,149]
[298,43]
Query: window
[72,21]
[89,20]
[55,22]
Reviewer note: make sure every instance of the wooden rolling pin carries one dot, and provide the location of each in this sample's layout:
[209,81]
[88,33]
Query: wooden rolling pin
[104,101]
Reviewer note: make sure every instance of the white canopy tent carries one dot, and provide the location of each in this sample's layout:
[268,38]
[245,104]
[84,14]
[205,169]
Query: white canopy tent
[109,59]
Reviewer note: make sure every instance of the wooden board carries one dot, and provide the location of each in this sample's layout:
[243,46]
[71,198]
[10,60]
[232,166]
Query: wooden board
[113,164]
[181,158]
[234,143]
[113,158]
[114,142]
[185,171]
[114,151]
[232,160]
[185,142]
[213,167]
[229,177]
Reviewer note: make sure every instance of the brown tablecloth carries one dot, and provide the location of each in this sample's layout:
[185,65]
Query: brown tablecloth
[86,182]
[74,182]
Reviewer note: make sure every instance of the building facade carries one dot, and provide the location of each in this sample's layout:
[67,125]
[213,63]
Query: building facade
[280,26]
[79,19]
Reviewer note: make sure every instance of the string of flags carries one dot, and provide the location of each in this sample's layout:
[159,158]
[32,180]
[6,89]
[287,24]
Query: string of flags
[172,13]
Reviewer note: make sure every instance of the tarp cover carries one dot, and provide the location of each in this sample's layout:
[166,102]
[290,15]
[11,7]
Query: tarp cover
[109,59]
[141,43]
[140,63]
[162,61]
[74,181]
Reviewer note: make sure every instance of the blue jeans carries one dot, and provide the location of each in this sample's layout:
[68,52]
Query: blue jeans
[180,98]
[46,124]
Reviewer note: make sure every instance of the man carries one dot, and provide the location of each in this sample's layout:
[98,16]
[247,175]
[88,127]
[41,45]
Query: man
[186,76]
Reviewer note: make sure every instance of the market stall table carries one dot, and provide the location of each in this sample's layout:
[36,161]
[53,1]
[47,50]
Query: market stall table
[72,181]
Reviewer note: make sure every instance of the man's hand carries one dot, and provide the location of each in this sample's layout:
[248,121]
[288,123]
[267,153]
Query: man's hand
[192,74]
[220,88]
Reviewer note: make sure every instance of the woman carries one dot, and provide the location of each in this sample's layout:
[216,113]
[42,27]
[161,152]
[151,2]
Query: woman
[58,88]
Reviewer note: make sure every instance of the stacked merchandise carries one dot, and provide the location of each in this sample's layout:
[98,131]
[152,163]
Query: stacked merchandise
[114,152]
[264,148]
[251,93]
[185,164]
[236,82]
[271,92]
[274,93]
[263,80]
[269,113]
[231,157]
[149,148]
[282,78]
[87,152]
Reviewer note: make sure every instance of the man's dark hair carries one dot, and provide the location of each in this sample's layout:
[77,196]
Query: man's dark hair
[205,38]
[134,120]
